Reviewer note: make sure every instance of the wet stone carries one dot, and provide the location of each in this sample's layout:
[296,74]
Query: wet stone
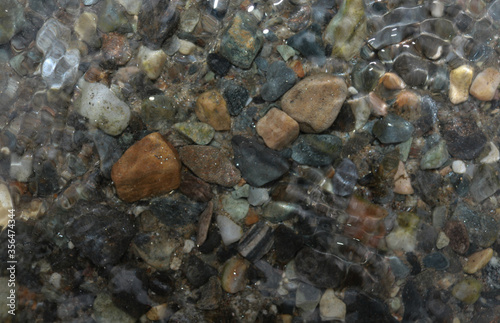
[331,307]
[218,64]
[258,164]
[200,133]
[230,232]
[128,287]
[392,129]
[280,78]
[113,17]
[151,61]
[157,20]
[485,84]
[237,209]
[460,81]
[12,20]
[458,236]
[211,108]
[197,271]
[256,242]
[413,70]
[364,308]
[277,129]
[236,97]
[286,243]
[485,183]
[436,260]
[463,137]
[116,49]
[308,42]
[435,157]
[108,149]
[319,269]
[285,51]
[345,178]
[398,267]
[482,228]
[176,210]
[468,290]
[316,150]
[241,41]
[307,297]
[86,28]
[478,261]
[210,164]
[413,303]
[233,277]
[365,76]
[158,111]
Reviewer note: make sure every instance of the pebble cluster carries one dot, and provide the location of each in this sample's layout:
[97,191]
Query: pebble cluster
[220,161]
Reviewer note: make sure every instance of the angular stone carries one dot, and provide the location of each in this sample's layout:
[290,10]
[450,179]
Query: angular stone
[402,182]
[331,307]
[460,81]
[485,183]
[315,101]
[277,129]
[280,78]
[236,97]
[211,108]
[210,164]
[149,167]
[468,290]
[199,132]
[176,210]
[113,18]
[242,40]
[151,61]
[392,129]
[316,150]
[229,231]
[478,260]
[485,84]
[435,157]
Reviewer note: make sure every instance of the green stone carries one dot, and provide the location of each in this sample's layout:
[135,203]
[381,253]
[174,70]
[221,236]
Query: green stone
[199,132]
[435,157]
[236,208]
[285,51]
[404,149]
[113,18]
[241,191]
[468,290]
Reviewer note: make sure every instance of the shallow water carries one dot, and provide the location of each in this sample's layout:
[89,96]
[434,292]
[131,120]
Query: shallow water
[220,161]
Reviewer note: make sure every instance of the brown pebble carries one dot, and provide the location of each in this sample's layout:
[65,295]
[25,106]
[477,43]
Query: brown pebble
[195,188]
[210,164]
[204,223]
[116,49]
[252,217]
[150,167]
[297,68]
[407,99]
[485,84]
[392,81]
[277,129]
[459,237]
[211,108]
[478,260]
[378,106]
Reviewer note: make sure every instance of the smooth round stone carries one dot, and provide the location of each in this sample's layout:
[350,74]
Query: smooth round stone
[478,261]
[280,78]
[229,231]
[233,277]
[315,101]
[392,129]
[458,167]
[211,108]
[485,84]
[277,129]
[436,260]
[199,132]
[435,157]
[151,61]
[468,290]
[365,76]
[316,150]
[103,109]
[308,43]
[392,81]
[460,81]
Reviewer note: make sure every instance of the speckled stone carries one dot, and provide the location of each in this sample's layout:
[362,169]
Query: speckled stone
[199,132]
[277,129]
[435,157]
[315,101]
[478,260]
[468,290]
[485,84]
[149,167]
[151,61]
[460,81]
[233,277]
[116,49]
[211,108]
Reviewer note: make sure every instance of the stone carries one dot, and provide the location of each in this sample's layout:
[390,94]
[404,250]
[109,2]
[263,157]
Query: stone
[277,129]
[315,101]
[464,139]
[485,183]
[308,42]
[236,97]
[210,164]
[442,240]
[11,20]
[365,76]
[211,108]
[106,311]
[131,6]
[258,164]
[186,47]
[436,260]
[316,150]
[197,271]
[151,61]
[319,269]
[468,290]
[218,64]
[478,261]
[392,81]
[200,133]
[286,243]
[176,210]
[189,19]
[158,312]
[307,297]
[345,178]
[402,182]
[491,154]
[116,49]
[485,84]
[435,157]
[21,167]
[398,267]
[285,51]
[458,236]
[234,273]
[258,196]
[256,242]
[210,295]
[280,78]
[128,286]
[237,209]
[459,167]
[86,28]
[108,150]
[403,237]
[113,18]
[149,167]
[370,308]
[412,69]
[378,106]
[482,228]
[229,231]
[195,188]
[460,81]
[157,21]
[331,307]
[392,129]
[242,40]
[103,109]
[158,111]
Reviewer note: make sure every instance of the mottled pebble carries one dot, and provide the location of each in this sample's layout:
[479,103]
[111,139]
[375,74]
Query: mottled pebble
[280,78]
[468,290]
[258,196]
[195,188]
[210,164]
[485,183]
[398,267]
[485,84]
[315,101]
[464,139]
[116,49]
[200,133]
[478,261]
[285,51]
[236,97]
[277,129]
[211,108]
[197,271]
[435,157]
[233,277]
[403,237]
[149,167]
[157,21]
[237,209]
[460,81]
[459,238]
[218,64]
[151,61]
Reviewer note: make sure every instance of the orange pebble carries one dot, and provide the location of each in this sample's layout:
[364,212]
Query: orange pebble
[297,68]
[252,217]
[407,99]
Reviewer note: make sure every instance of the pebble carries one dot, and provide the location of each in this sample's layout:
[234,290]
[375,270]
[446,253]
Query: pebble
[258,164]
[200,133]
[316,150]
[286,243]
[113,17]
[458,167]
[5,205]
[468,290]
[485,183]
[236,97]
[345,178]
[234,274]
[392,129]
[392,81]
[319,269]
[285,51]
[12,20]
[86,28]
[237,209]
[398,267]
[460,81]
[458,236]
[482,227]
[242,40]
[157,21]
[195,188]
[402,182]
[229,231]
[331,307]
[158,312]
[106,311]
[478,261]
[493,155]
[149,167]
[151,61]
[211,108]
[176,210]
[464,139]
[189,19]
[210,295]
[277,129]
[210,164]
[158,111]
[280,78]
[21,167]
[307,297]
[308,42]
[315,101]
[365,76]
[485,84]
[435,157]
[218,64]
[442,240]
[412,69]
[241,191]
[103,109]
[378,106]
[108,150]
[116,49]
[436,260]
[186,47]
[256,242]
[128,287]
[403,236]
[258,196]
[365,221]
[197,271]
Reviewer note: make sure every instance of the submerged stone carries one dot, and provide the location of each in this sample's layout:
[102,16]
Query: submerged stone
[392,129]
[308,42]
[468,290]
[436,260]
[485,183]
[345,178]
[435,157]
[277,129]
[200,133]
[280,79]
[11,19]
[316,150]
[464,139]
[236,97]
[176,210]
[157,20]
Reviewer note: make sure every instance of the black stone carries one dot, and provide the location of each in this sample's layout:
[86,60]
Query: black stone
[101,233]
[436,260]
[129,290]
[414,263]
[286,243]
[308,42]
[158,20]
[213,241]
[345,120]
[319,269]
[161,283]
[258,164]
[197,271]
[426,237]
[463,21]
[463,137]
[428,185]
[218,64]
[414,304]
[364,308]
[316,150]
[236,97]
[280,78]
[176,209]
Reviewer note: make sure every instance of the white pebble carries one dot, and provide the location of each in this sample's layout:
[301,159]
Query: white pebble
[458,167]
[229,231]
[493,156]
[188,246]
[55,280]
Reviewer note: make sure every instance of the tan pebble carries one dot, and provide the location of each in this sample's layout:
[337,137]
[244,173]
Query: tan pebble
[315,101]
[478,260]
[442,240]
[392,81]
[460,80]
[211,108]
[186,47]
[151,61]
[150,167]
[402,182]
[485,84]
[158,312]
[377,105]
[277,129]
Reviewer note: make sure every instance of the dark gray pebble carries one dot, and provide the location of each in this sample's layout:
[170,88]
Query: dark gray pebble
[392,129]
[316,150]
[280,78]
[436,260]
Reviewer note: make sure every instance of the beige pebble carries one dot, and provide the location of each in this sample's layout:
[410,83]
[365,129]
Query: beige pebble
[402,182]
[331,307]
[277,129]
[478,260]
[378,106]
[392,81]
[485,84]
[151,61]
[187,47]
[158,312]
[460,80]
[211,108]
[442,240]
[315,101]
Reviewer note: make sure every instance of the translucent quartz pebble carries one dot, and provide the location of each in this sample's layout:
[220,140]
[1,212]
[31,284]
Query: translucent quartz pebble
[494,12]
[345,178]
[50,32]
[392,35]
